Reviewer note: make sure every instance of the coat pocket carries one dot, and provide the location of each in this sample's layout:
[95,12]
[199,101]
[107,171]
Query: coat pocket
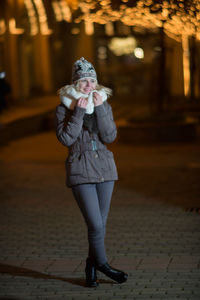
[108,161]
[111,162]
[74,165]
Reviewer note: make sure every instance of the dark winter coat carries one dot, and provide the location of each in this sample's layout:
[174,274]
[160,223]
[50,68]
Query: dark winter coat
[89,160]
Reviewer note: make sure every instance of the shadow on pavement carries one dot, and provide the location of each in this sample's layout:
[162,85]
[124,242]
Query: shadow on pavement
[20,271]
[13,298]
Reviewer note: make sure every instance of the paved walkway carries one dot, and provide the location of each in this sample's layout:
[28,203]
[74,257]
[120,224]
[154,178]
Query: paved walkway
[151,234]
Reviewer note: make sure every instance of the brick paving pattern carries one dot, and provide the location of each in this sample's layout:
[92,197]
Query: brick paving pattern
[150,233]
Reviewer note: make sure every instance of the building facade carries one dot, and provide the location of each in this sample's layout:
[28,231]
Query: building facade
[39,43]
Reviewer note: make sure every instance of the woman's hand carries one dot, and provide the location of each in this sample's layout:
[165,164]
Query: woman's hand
[82,102]
[97,99]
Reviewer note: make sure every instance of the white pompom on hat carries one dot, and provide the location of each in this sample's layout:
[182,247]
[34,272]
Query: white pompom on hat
[83,69]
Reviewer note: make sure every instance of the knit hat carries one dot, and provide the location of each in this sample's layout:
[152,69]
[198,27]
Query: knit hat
[83,69]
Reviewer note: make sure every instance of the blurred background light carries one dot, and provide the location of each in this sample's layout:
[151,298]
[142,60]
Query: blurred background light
[139,52]
[13,29]
[120,46]
[2,27]
[34,28]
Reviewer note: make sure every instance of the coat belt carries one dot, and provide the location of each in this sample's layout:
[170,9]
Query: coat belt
[89,146]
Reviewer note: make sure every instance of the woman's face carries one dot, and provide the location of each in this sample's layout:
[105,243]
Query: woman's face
[87,85]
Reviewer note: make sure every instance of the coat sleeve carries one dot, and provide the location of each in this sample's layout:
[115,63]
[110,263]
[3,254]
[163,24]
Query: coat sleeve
[68,124]
[105,122]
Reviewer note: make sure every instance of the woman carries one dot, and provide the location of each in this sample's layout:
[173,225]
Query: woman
[84,124]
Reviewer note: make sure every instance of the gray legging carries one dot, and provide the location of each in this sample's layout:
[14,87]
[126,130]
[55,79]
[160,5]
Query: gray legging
[93,200]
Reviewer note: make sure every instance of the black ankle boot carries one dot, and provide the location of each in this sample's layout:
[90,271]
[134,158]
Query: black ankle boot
[114,274]
[91,276]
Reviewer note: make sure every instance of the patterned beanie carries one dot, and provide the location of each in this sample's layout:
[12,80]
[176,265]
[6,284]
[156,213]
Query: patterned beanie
[83,69]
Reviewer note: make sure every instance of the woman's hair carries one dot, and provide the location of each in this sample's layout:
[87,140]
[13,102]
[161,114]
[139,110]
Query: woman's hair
[98,87]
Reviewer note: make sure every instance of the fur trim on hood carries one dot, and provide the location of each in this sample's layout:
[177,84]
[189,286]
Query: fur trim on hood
[69,95]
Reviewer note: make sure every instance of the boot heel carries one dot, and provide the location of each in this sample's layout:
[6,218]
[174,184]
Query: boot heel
[91,276]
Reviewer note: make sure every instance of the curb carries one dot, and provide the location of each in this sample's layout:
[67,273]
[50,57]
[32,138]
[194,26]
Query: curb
[150,132]
[24,127]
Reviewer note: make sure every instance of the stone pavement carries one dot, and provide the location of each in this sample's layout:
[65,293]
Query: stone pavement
[151,233]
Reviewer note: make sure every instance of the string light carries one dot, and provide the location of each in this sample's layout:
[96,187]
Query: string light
[13,29]
[178,19]
[109,29]
[89,27]
[73,4]
[186,64]
[34,29]
[175,17]
[42,17]
[65,11]
[2,27]
[61,11]
[57,11]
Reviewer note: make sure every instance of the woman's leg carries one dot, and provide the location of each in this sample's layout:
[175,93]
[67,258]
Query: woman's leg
[104,192]
[94,202]
[88,202]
